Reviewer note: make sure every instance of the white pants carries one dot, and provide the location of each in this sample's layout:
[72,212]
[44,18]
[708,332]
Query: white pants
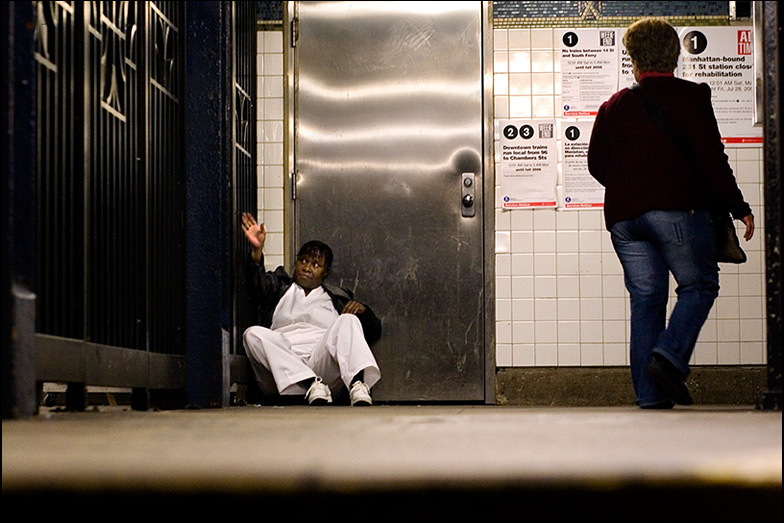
[338,355]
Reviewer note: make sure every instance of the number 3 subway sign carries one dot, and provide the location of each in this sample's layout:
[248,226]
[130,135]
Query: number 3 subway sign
[528,168]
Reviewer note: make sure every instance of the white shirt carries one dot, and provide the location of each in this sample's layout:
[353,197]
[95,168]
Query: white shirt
[303,319]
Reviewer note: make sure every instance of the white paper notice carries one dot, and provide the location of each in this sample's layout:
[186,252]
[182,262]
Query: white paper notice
[528,168]
[625,75]
[589,69]
[722,57]
[580,189]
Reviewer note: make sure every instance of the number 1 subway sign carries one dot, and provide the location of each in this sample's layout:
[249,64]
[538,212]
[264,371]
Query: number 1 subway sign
[589,70]
[722,57]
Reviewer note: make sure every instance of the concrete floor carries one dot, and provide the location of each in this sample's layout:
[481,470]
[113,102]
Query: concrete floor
[391,463]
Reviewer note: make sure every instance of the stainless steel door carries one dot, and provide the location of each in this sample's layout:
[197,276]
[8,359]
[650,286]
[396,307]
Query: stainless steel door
[388,164]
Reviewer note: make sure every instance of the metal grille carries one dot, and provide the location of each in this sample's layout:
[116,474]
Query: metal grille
[166,243]
[244,73]
[111,169]
[115,210]
[60,202]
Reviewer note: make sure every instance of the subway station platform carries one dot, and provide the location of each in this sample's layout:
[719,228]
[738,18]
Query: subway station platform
[398,463]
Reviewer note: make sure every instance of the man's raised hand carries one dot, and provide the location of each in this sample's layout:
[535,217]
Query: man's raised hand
[256,235]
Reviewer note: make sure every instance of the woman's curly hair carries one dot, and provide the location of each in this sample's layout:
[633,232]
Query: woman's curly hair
[653,45]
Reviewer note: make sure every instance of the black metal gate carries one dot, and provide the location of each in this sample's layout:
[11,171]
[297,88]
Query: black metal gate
[110,205]
[244,19]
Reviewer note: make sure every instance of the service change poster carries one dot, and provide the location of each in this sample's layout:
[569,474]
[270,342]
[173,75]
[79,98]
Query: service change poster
[580,189]
[528,163]
[625,75]
[589,69]
[722,58]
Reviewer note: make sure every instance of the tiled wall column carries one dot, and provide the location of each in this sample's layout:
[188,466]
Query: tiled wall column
[269,114]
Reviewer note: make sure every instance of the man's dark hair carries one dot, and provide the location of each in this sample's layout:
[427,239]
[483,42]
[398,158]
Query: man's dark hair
[317,248]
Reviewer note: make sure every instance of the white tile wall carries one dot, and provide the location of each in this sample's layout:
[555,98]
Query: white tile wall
[560,297]
[560,294]
[271,131]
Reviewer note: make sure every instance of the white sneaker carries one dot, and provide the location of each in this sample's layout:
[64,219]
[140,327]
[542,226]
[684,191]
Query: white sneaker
[360,395]
[318,393]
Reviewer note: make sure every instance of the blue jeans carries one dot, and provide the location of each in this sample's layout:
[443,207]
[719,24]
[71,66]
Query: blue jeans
[649,248]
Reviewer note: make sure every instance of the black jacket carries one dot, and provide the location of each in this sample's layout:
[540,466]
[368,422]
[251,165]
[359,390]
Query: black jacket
[268,287]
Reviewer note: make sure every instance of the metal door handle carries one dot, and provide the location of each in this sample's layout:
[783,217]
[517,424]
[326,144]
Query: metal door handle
[467,195]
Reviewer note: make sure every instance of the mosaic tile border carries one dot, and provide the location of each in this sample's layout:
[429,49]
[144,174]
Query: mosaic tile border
[605,21]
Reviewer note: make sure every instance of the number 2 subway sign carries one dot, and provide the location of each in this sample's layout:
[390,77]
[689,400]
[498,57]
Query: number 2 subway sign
[722,57]
[528,163]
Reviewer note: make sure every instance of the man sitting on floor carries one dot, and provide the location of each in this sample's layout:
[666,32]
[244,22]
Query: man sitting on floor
[313,338]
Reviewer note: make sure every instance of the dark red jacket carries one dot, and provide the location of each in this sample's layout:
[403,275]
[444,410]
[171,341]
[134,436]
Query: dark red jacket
[642,169]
